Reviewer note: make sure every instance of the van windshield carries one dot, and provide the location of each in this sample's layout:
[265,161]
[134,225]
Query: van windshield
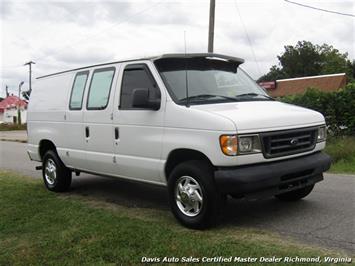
[209,80]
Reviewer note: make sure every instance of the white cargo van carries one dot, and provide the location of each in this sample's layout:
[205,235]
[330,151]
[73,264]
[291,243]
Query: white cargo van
[196,123]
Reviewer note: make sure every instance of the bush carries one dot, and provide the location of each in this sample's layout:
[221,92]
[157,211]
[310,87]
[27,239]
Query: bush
[337,107]
[341,148]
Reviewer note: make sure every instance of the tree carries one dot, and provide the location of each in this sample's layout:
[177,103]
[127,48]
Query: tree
[274,73]
[301,60]
[351,65]
[307,59]
[334,61]
[7,91]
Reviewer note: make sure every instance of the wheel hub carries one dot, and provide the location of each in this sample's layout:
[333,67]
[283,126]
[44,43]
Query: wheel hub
[188,196]
[50,171]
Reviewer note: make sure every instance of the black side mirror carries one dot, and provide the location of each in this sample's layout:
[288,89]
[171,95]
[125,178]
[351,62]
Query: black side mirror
[141,100]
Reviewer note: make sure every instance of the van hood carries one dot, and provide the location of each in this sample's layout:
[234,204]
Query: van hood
[264,115]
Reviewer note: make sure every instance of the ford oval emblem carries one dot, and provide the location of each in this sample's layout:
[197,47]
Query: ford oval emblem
[294,142]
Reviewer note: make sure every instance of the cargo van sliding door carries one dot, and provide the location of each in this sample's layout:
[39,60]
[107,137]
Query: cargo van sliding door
[75,155]
[98,130]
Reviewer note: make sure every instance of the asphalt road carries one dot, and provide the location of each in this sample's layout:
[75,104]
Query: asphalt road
[325,218]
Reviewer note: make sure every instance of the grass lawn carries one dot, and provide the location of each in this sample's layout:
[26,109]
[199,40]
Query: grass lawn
[6,127]
[42,228]
[342,151]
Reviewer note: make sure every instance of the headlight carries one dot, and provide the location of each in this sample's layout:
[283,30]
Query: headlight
[233,145]
[249,144]
[322,134]
[229,144]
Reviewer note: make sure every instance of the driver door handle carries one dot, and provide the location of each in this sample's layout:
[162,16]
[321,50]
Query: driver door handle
[117,133]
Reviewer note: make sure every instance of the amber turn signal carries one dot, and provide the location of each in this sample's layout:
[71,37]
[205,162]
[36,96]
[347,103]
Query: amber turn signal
[229,144]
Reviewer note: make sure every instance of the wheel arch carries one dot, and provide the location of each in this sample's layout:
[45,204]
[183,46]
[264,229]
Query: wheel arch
[44,146]
[178,156]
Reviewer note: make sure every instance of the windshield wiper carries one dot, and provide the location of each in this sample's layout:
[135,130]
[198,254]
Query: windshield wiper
[208,96]
[253,94]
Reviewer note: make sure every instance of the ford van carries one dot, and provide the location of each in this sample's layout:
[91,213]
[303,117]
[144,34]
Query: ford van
[194,123]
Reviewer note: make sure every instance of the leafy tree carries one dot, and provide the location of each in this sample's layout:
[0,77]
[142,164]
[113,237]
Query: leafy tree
[333,61]
[274,73]
[307,59]
[301,60]
[351,65]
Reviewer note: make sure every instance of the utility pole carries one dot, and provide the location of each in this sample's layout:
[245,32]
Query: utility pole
[211,26]
[19,103]
[30,74]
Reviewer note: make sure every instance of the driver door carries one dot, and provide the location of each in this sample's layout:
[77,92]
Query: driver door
[138,131]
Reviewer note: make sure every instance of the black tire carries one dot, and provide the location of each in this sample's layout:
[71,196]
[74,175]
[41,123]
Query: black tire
[296,194]
[62,179]
[201,172]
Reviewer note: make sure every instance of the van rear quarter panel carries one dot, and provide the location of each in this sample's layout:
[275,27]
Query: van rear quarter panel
[47,109]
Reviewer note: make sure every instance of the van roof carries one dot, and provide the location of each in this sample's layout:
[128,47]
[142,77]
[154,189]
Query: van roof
[153,58]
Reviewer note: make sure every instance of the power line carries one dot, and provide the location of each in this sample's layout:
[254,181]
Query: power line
[320,9]
[248,38]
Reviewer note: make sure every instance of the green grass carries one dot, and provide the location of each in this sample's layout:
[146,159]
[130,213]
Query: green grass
[7,127]
[342,151]
[42,228]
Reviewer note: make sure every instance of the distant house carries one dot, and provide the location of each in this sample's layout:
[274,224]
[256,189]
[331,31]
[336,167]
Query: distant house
[283,87]
[8,109]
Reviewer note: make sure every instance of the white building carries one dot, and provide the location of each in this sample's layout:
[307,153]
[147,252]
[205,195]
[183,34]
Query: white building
[8,110]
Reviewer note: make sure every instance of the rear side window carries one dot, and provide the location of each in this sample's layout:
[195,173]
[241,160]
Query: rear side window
[137,77]
[100,87]
[77,92]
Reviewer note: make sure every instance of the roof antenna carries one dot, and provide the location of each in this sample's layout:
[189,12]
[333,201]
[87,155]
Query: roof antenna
[186,77]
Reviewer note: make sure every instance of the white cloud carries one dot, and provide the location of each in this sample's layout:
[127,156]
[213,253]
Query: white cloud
[58,35]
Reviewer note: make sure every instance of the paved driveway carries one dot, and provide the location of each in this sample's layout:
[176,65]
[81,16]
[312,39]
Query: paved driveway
[325,218]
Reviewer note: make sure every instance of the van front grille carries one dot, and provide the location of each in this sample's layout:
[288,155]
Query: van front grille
[287,142]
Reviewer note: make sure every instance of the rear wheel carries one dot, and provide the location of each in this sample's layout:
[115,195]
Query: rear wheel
[193,197]
[296,194]
[56,176]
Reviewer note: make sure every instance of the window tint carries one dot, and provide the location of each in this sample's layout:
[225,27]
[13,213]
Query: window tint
[76,98]
[137,78]
[99,92]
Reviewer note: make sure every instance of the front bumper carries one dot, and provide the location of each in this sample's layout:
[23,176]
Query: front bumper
[277,177]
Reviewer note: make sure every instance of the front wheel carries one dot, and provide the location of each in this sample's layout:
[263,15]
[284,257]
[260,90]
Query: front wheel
[295,194]
[193,196]
[56,176]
